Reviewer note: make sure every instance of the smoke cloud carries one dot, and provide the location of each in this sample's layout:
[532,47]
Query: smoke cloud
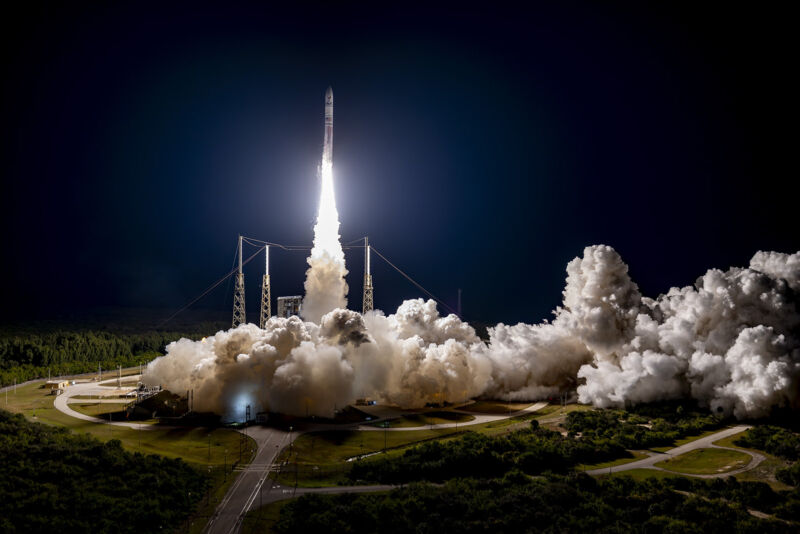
[730,342]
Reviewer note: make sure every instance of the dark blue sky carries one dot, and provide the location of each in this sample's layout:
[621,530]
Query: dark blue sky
[477,149]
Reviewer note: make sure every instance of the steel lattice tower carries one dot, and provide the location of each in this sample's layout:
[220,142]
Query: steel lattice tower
[239,314]
[266,297]
[367,303]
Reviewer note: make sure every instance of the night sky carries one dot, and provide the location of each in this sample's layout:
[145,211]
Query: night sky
[478,150]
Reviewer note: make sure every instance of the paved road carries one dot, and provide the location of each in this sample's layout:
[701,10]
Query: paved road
[253,487]
[479,418]
[61,402]
[702,443]
[252,484]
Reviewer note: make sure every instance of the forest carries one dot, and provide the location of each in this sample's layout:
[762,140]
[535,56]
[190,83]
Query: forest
[518,503]
[604,435]
[54,480]
[25,356]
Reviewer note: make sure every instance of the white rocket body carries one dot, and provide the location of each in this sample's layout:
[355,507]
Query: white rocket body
[327,150]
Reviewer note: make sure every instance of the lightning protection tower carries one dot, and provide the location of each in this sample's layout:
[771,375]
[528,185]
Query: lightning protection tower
[266,297]
[367,305]
[239,316]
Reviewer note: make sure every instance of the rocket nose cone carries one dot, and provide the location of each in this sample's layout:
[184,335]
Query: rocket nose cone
[329,95]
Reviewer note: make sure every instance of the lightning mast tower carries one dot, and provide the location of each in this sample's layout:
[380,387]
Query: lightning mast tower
[239,316]
[368,304]
[266,297]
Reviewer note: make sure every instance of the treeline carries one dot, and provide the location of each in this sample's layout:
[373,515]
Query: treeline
[25,357]
[780,442]
[54,480]
[532,451]
[517,503]
[638,431]
[594,436]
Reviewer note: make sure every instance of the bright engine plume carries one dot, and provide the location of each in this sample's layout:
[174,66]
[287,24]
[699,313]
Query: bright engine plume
[325,285]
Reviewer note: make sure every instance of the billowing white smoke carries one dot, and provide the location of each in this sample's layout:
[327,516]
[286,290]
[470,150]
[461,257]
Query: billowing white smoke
[730,342]
[325,286]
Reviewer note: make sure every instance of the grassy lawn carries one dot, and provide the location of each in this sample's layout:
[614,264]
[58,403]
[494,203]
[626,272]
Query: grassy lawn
[763,472]
[428,418]
[99,409]
[634,455]
[494,407]
[706,462]
[320,458]
[190,443]
[688,439]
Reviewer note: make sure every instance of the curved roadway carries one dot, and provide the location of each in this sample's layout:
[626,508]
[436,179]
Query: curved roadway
[61,402]
[706,442]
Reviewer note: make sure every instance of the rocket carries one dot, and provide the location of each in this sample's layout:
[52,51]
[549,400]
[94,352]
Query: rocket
[327,150]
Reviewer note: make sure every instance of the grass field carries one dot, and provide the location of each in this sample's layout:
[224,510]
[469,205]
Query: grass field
[706,462]
[635,455]
[494,407]
[98,409]
[427,418]
[688,439]
[320,458]
[763,472]
[191,444]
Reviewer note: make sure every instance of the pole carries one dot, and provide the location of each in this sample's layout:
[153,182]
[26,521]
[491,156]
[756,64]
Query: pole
[240,254]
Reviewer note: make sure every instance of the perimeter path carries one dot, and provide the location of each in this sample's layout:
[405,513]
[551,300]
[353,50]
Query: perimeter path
[479,419]
[706,442]
[61,402]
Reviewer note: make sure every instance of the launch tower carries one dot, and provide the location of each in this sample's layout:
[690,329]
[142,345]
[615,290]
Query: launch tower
[266,309]
[239,315]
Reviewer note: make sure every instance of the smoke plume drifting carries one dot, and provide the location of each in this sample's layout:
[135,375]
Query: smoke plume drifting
[730,342]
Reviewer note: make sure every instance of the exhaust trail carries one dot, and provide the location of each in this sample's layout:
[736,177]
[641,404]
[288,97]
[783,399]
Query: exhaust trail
[325,284]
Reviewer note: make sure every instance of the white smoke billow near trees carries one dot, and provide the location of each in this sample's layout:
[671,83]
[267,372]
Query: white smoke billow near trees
[730,342]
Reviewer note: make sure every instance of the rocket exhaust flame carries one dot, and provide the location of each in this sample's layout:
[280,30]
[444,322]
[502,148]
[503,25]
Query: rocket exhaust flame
[325,286]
